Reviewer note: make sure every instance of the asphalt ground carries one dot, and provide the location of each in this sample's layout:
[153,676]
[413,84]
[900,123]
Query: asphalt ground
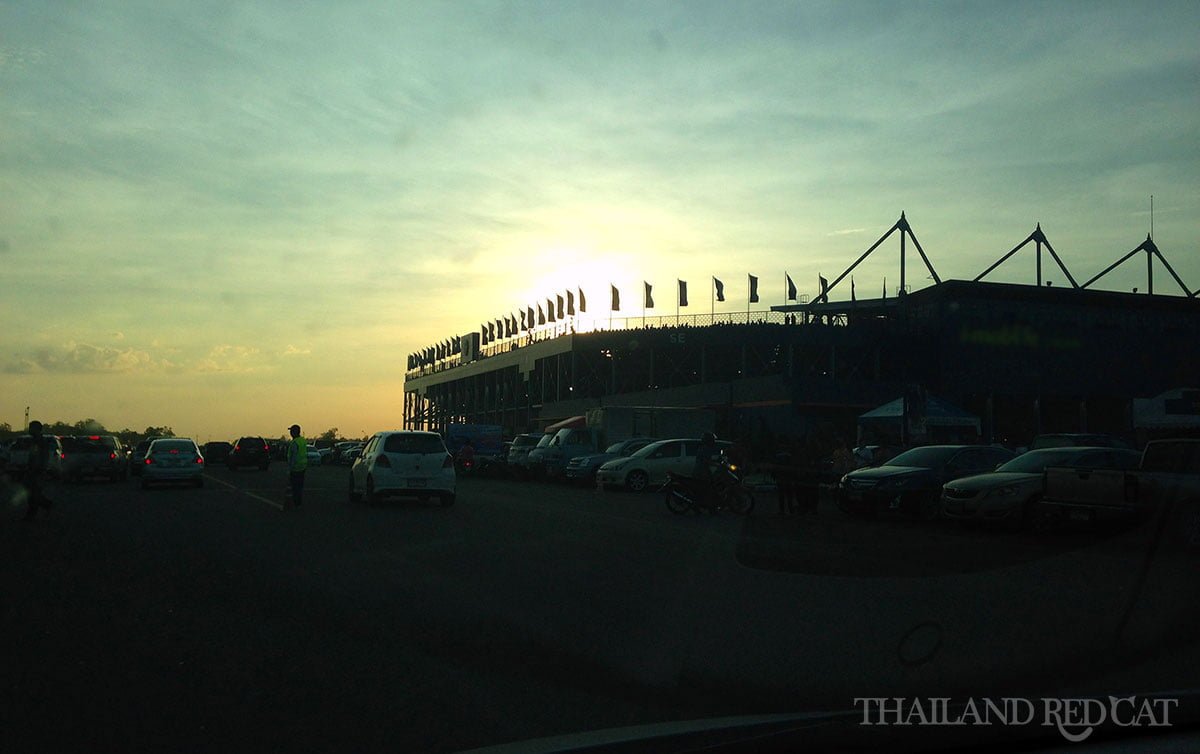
[212,619]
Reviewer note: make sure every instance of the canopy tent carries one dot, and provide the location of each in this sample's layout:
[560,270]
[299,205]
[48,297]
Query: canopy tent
[1173,410]
[938,413]
[574,422]
[941,421]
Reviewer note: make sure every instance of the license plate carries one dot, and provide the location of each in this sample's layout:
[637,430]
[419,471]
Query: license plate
[1081,516]
[416,482]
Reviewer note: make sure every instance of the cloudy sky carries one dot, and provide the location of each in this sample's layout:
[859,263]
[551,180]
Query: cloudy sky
[229,217]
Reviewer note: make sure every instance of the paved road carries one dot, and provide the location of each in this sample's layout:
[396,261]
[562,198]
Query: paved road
[207,619]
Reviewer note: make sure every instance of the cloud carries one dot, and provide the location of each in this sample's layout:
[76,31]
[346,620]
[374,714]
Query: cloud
[847,232]
[84,358]
[231,359]
[292,350]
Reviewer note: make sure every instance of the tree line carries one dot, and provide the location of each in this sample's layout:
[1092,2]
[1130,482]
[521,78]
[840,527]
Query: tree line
[127,436]
[89,427]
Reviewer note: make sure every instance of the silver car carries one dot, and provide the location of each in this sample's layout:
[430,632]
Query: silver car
[175,460]
[1005,496]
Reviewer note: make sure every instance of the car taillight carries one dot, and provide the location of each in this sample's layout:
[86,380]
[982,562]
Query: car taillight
[112,455]
[266,449]
[449,462]
[199,460]
[149,460]
[237,447]
[383,461]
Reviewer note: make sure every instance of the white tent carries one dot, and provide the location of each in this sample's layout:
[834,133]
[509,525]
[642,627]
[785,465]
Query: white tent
[1174,409]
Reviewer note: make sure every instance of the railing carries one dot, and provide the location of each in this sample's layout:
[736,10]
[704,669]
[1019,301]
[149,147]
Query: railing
[580,324]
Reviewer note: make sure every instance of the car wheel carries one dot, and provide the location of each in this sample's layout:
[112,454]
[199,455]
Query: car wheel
[351,495]
[637,481]
[372,495]
[741,501]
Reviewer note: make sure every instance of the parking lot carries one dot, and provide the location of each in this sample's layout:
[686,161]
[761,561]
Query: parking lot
[209,618]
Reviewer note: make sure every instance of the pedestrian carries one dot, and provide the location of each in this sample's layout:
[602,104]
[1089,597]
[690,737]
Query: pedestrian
[35,471]
[809,470]
[297,461]
[783,469]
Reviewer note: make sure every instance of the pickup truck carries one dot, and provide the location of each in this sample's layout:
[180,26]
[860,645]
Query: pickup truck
[1169,471]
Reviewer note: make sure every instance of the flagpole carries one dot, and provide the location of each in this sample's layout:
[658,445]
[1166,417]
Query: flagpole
[712,301]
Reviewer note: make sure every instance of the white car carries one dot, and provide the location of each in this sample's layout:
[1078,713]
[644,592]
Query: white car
[416,464]
[173,460]
[314,457]
[18,454]
[649,466]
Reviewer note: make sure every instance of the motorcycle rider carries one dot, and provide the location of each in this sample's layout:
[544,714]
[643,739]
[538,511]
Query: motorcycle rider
[466,456]
[708,455]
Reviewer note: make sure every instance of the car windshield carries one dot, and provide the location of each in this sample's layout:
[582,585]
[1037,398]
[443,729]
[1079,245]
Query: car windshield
[525,441]
[924,458]
[418,444]
[1036,461]
[87,444]
[616,447]
[545,441]
[172,446]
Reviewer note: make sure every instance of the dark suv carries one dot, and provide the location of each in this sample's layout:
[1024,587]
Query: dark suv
[249,451]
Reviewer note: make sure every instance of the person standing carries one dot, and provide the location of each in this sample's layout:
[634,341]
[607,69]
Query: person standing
[297,461]
[35,470]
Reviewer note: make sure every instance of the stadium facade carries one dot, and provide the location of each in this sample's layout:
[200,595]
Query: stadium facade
[1025,359]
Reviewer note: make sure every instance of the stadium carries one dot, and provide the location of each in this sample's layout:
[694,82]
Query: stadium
[1001,360]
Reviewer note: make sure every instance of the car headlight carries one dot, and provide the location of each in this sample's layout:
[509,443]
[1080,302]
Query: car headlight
[1006,491]
[616,466]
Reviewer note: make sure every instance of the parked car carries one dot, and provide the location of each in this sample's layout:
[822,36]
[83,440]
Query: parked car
[873,455]
[249,451]
[1008,495]
[138,456]
[912,482]
[94,455]
[18,453]
[1168,473]
[278,449]
[584,468]
[648,467]
[314,457]
[173,460]
[403,463]
[518,452]
[217,451]
[342,452]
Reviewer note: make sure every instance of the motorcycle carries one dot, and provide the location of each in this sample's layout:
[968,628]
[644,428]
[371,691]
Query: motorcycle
[725,491]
